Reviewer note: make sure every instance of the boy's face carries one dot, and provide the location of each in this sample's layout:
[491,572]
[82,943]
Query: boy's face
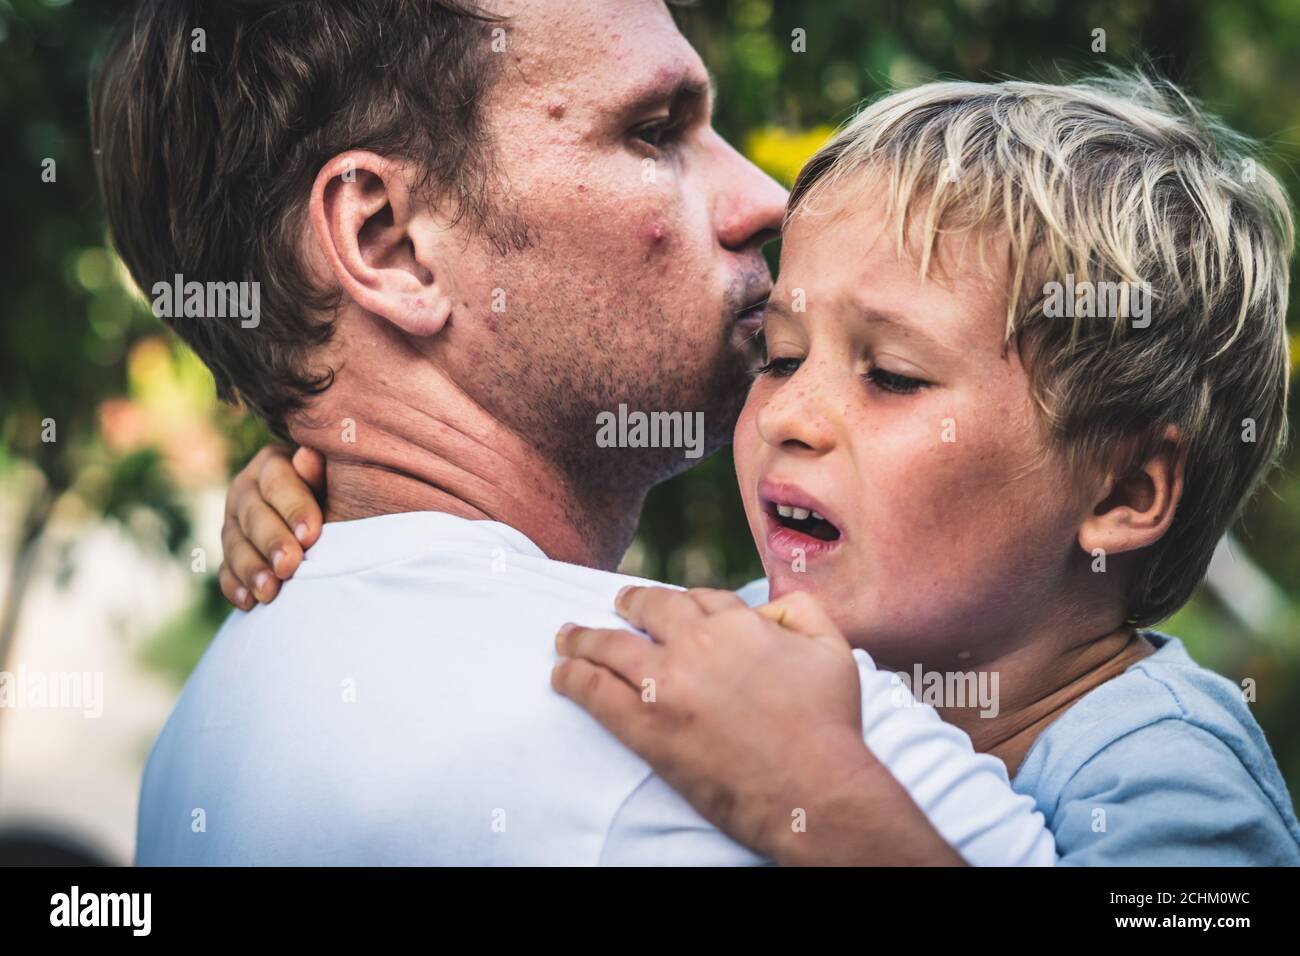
[890,407]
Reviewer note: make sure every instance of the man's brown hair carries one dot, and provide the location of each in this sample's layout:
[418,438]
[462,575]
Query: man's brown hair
[211,120]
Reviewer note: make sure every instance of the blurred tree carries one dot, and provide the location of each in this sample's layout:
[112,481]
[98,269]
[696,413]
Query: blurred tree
[54,364]
[73,318]
[77,349]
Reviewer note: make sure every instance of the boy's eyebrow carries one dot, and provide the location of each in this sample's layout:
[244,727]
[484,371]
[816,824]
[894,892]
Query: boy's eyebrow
[873,315]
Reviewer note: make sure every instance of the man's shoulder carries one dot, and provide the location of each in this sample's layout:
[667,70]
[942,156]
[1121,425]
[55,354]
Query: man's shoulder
[492,569]
[407,704]
[754,593]
[433,634]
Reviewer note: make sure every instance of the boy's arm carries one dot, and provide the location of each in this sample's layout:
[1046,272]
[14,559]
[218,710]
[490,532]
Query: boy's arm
[782,736]
[271,518]
[965,795]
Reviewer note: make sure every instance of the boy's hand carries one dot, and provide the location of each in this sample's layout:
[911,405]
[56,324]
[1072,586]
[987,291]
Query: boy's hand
[271,516]
[753,715]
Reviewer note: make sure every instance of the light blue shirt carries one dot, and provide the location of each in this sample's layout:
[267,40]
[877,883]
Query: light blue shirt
[1162,766]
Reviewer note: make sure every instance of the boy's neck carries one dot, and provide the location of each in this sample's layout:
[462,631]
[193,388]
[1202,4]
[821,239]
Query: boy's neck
[1038,683]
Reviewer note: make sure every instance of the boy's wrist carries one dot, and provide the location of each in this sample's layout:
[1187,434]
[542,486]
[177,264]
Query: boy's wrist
[852,799]
[798,834]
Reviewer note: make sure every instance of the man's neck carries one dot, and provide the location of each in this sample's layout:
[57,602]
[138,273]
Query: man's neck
[408,439]
[564,526]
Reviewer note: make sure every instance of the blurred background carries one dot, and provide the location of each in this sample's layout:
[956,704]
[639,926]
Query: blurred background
[114,454]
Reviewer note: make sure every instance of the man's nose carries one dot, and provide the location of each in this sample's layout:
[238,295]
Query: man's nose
[751,203]
[797,417]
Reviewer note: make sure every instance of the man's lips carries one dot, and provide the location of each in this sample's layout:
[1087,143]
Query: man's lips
[750,319]
[798,524]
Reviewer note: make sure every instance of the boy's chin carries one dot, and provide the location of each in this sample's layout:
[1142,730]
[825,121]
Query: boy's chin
[781,580]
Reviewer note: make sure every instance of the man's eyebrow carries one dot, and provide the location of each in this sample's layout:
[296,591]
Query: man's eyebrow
[674,89]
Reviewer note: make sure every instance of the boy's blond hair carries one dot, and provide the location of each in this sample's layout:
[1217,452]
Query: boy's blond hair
[1113,180]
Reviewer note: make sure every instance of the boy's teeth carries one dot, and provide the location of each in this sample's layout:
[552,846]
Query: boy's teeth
[799,514]
[818,517]
[784,511]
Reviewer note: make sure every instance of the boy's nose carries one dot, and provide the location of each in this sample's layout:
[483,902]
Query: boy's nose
[795,419]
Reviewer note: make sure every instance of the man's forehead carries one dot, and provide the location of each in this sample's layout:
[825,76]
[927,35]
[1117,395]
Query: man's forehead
[623,51]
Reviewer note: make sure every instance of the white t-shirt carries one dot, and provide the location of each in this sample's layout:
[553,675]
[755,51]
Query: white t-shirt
[393,706]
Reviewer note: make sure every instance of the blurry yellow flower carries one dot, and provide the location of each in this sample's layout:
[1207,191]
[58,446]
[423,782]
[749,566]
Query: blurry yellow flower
[781,153]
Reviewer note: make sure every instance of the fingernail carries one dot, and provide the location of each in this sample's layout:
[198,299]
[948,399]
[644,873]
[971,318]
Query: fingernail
[277,556]
[262,582]
[561,636]
[300,532]
[621,596]
[241,597]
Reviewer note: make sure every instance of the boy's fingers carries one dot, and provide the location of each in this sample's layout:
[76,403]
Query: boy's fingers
[233,588]
[801,613]
[661,612]
[268,533]
[615,705]
[626,654]
[248,565]
[231,536]
[244,484]
[713,600]
[284,490]
[310,466]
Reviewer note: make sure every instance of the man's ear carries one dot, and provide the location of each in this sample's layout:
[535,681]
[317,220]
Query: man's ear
[379,241]
[1134,510]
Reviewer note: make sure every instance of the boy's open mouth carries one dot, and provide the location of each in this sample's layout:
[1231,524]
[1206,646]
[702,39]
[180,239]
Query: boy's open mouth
[804,520]
[799,527]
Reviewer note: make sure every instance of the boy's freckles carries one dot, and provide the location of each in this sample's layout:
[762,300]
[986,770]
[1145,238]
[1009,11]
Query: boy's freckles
[953,519]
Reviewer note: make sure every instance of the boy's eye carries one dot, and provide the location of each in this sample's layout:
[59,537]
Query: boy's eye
[895,383]
[779,367]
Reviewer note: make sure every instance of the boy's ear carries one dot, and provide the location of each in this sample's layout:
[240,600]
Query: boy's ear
[1134,510]
[380,242]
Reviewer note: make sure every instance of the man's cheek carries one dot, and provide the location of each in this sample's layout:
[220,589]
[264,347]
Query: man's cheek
[669,249]
[654,236]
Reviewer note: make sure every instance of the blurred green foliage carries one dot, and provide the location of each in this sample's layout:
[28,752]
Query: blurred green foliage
[135,416]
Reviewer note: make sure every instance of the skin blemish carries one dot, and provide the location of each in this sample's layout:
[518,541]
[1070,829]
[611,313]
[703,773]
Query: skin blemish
[555,109]
[654,234]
